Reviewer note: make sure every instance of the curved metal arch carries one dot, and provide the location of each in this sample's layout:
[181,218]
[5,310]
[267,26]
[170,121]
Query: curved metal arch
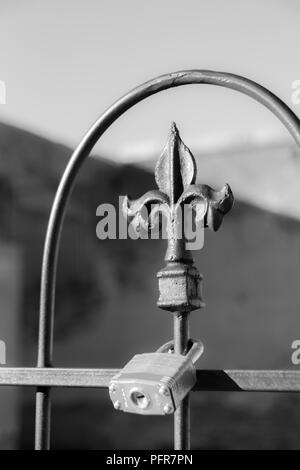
[48,278]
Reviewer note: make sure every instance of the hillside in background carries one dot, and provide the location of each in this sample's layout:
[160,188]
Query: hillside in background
[106,302]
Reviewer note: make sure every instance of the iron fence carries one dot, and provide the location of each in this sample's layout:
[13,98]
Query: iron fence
[45,376]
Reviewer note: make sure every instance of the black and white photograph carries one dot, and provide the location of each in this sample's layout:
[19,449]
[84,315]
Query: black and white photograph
[149,228]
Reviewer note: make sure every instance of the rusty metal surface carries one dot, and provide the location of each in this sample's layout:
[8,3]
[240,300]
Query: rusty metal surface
[49,265]
[212,380]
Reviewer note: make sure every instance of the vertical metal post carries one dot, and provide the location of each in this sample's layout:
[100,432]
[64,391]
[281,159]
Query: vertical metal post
[182,414]
[45,345]
[42,418]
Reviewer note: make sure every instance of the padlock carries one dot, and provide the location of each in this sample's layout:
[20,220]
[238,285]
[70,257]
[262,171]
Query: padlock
[155,383]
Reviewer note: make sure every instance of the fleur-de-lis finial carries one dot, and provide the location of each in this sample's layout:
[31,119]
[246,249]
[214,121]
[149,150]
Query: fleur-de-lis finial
[176,168]
[175,175]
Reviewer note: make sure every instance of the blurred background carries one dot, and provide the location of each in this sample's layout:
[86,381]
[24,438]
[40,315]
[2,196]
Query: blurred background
[63,63]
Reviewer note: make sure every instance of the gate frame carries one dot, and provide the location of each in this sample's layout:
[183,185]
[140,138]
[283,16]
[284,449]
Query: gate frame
[45,376]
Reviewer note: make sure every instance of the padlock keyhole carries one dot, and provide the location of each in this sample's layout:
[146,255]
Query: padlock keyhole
[139,399]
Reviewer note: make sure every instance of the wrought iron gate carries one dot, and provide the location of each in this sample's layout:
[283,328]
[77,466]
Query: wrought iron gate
[171,181]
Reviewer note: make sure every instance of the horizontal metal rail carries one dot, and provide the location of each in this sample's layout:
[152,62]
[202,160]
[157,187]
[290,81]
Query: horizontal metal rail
[248,380]
[56,377]
[209,380]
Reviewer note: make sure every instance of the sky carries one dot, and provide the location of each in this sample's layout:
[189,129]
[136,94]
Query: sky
[65,61]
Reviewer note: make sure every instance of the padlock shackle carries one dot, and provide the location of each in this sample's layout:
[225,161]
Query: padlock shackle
[194,352]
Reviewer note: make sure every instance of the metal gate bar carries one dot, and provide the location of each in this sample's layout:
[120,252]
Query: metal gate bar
[207,380]
[46,319]
[182,414]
